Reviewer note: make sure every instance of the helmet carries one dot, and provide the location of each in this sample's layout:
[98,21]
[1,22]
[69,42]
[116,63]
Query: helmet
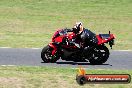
[76,27]
[78,24]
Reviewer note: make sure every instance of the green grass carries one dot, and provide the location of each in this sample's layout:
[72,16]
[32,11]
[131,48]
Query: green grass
[31,23]
[49,77]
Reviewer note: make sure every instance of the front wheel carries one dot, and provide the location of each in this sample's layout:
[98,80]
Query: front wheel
[100,55]
[47,56]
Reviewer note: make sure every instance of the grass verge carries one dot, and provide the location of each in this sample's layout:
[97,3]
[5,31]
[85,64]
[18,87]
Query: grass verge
[51,77]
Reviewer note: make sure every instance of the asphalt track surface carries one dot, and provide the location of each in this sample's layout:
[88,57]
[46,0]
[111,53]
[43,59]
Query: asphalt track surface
[31,57]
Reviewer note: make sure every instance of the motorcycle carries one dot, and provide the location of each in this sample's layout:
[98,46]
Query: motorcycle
[63,48]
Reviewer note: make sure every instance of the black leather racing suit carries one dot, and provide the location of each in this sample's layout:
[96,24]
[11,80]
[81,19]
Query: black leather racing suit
[86,38]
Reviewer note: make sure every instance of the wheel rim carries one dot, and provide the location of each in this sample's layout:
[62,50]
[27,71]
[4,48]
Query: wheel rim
[99,53]
[48,54]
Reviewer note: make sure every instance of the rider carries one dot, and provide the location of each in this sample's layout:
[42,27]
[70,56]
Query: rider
[81,37]
[78,29]
[82,34]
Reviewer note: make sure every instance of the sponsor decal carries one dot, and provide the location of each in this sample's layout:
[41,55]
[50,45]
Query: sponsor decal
[83,78]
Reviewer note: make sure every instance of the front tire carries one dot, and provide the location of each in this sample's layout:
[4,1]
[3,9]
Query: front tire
[100,55]
[46,55]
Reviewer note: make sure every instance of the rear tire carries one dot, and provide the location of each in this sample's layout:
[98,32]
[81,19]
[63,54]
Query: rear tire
[100,55]
[46,55]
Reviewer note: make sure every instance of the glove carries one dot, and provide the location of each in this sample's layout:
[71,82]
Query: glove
[76,44]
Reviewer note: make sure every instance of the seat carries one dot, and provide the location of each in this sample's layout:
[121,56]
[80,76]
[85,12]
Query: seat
[104,36]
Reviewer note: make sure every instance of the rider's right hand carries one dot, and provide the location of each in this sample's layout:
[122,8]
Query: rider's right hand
[76,44]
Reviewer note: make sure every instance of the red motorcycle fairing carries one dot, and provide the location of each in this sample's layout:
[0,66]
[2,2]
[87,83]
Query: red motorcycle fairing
[102,40]
[71,36]
[59,38]
[56,34]
[54,48]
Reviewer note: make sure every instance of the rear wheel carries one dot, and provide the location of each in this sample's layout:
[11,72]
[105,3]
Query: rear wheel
[100,55]
[47,56]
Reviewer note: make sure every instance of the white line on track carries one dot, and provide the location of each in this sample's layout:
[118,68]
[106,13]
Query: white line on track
[34,48]
[7,65]
[16,48]
[5,47]
[121,50]
[41,48]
